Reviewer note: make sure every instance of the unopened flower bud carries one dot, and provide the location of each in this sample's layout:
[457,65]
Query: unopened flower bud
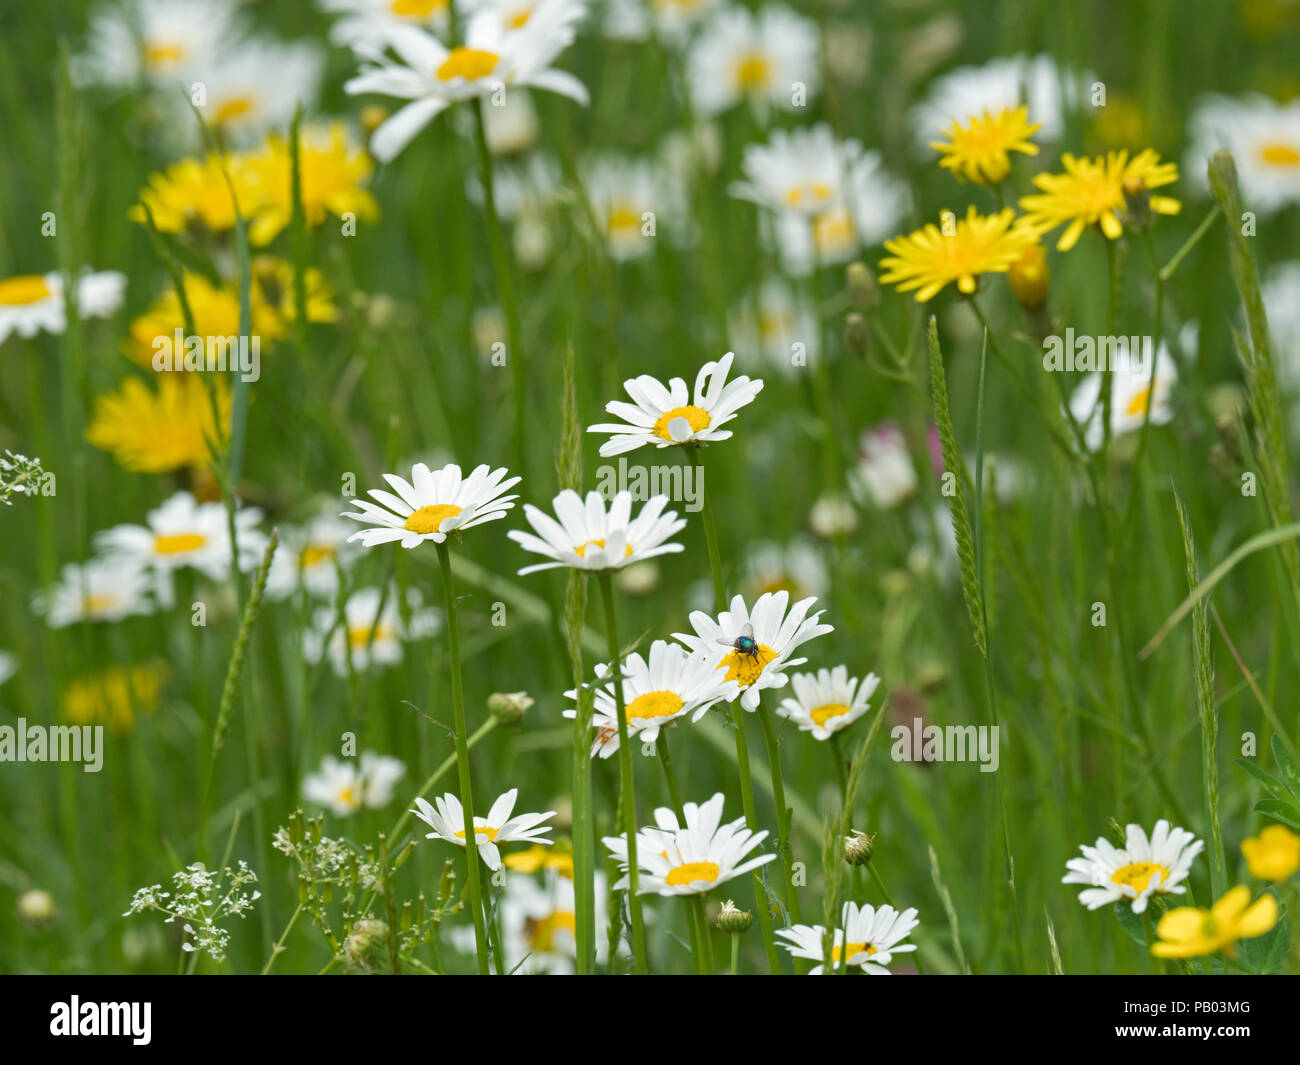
[367,946]
[37,907]
[857,334]
[1029,277]
[372,117]
[861,285]
[858,848]
[733,920]
[508,707]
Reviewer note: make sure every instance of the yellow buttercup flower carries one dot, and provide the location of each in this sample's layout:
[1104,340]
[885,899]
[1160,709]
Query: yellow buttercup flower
[1272,855]
[1189,932]
[980,151]
[113,696]
[536,858]
[159,431]
[196,193]
[333,172]
[1097,192]
[931,258]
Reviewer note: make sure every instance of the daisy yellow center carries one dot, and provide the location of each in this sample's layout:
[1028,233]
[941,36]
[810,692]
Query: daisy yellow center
[654,704]
[178,543]
[347,796]
[833,230]
[581,549]
[1137,406]
[622,217]
[97,604]
[783,584]
[540,931]
[19,291]
[519,17]
[696,418]
[314,555]
[691,872]
[1279,154]
[838,953]
[429,519]
[753,72]
[235,107]
[417,8]
[160,54]
[809,195]
[360,636]
[480,830]
[774,324]
[745,669]
[1137,875]
[822,714]
[468,63]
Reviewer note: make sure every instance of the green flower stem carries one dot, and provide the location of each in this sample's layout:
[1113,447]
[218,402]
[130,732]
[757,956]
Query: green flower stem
[670,777]
[705,953]
[626,779]
[735,955]
[782,812]
[462,762]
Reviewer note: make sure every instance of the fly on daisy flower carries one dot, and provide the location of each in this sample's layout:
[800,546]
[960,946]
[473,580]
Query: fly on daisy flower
[102,589]
[588,537]
[447,819]
[1098,192]
[867,939]
[690,859]
[346,787]
[827,701]
[1142,868]
[433,77]
[929,259]
[979,149]
[754,646]
[670,684]
[34,303]
[432,505]
[666,416]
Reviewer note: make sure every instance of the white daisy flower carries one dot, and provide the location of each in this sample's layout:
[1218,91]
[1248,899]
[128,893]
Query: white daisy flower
[796,567]
[448,822]
[103,589]
[832,516]
[256,86]
[525,194]
[1005,82]
[765,57]
[670,685]
[33,303]
[1140,869]
[346,787]
[367,22]
[365,634]
[1131,394]
[8,666]
[828,700]
[1264,138]
[632,200]
[432,505]
[161,42]
[691,859]
[884,476]
[1281,295]
[665,416]
[869,935]
[310,557]
[186,533]
[433,77]
[778,326]
[588,537]
[754,646]
[673,20]
[801,170]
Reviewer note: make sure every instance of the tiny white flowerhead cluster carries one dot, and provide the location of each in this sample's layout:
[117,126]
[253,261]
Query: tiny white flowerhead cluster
[200,899]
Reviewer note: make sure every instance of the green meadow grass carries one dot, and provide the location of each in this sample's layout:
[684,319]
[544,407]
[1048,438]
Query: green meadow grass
[1093,734]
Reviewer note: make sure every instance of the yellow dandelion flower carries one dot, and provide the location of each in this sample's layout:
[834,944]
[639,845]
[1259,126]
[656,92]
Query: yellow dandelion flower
[980,151]
[931,258]
[1097,192]
[536,858]
[159,431]
[195,193]
[216,314]
[114,696]
[1272,855]
[333,173]
[273,298]
[1189,932]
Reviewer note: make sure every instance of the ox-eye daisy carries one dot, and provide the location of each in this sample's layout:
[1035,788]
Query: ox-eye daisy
[368,21]
[769,57]
[1264,138]
[1131,394]
[801,170]
[258,86]
[754,646]
[690,859]
[33,303]
[632,200]
[159,42]
[102,589]
[796,567]
[363,634]
[670,685]
[591,538]
[827,701]
[870,937]
[433,77]
[448,822]
[884,475]
[1141,868]
[345,787]
[433,504]
[310,557]
[665,416]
